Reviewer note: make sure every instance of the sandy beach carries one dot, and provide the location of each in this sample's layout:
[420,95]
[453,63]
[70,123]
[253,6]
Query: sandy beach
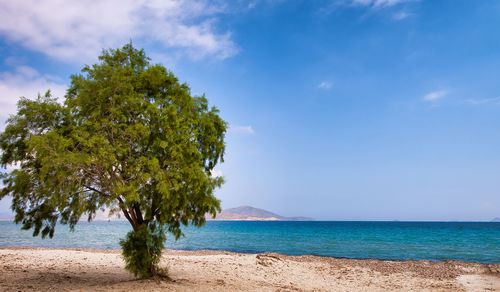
[40,269]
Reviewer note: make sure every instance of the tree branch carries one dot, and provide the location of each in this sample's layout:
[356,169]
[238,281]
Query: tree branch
[96,190]
[138,213]
[125,212]
[134,218]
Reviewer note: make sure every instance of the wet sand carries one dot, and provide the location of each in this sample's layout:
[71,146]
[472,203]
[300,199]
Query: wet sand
[43,269]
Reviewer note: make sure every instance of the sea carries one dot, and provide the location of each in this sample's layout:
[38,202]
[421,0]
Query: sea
[435,241]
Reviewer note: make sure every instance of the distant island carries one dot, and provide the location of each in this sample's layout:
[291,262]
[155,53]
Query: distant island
[243,213]
[248,213]
[6,216]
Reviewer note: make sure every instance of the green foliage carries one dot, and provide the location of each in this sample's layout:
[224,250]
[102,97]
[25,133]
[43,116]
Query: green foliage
[129,137]
[142,250]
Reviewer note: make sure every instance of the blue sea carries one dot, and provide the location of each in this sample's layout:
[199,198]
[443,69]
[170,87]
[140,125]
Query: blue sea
[436,241]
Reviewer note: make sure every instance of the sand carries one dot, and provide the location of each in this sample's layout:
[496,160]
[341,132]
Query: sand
[40,269]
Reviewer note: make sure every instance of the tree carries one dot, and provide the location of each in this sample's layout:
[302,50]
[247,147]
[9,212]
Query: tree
[129,138]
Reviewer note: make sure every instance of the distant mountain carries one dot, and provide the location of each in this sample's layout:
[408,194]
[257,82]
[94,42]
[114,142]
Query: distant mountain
[101,215]
[6,216]
[243,213]
[248,213]
[496,219]
[252,212]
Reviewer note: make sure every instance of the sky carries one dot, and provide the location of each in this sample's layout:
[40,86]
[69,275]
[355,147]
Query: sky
[338,109]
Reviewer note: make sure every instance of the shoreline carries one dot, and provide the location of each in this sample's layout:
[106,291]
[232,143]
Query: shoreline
[221,251]
[35,268]
[272,219]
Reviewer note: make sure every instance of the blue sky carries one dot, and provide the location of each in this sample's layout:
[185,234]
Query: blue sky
[338,109]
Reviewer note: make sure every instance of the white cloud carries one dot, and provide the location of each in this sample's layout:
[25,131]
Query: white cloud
[401,15]
[78,30]
[325,85]
[379,3]
[216,173]
[474,101]
[435,95]
[242,129]
[374,5]
[24,81]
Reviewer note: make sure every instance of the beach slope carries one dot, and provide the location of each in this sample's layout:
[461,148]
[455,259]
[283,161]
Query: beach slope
[25,269]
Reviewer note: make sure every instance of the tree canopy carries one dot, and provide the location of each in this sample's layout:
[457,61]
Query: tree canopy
[129,137]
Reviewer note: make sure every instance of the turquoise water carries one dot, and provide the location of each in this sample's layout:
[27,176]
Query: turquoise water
[475,242]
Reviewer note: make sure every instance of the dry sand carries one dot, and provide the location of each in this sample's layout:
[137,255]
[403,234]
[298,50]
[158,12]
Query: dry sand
[25,269]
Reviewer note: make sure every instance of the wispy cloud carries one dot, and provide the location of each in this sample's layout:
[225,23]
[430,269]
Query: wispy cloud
[76,30]
[475,101]
[242,129]
[24,81]
[401,15]
[372,6]
[435,95]
[379,3]
[325,85]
